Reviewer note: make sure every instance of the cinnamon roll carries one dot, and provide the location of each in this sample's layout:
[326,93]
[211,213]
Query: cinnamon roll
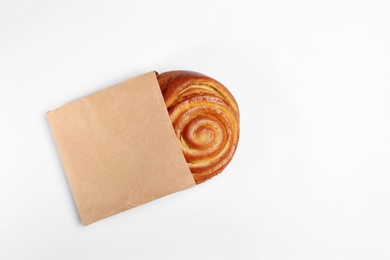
[205,118]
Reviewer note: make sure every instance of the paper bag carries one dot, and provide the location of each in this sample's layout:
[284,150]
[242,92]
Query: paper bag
[119,149]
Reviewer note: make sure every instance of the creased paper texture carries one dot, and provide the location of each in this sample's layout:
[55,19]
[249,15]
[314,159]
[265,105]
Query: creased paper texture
[118,148]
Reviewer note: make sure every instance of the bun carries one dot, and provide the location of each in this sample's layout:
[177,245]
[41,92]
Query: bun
[205,118]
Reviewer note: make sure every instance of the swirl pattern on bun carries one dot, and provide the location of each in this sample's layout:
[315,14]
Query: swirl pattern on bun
[205,118]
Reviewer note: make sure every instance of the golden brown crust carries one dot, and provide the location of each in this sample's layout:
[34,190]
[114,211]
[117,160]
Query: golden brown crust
[205,118]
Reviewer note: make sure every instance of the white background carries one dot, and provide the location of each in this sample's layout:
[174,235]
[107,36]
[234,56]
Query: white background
[311,176]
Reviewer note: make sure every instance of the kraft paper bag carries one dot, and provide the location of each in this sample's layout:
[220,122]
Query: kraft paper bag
[119,149]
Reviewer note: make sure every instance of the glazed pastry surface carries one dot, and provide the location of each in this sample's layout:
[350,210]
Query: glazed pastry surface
[205,118]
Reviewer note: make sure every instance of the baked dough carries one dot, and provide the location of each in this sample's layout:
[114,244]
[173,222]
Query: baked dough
[205,118]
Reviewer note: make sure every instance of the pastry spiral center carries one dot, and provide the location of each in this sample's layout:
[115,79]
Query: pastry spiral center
[204,135]
[200,133]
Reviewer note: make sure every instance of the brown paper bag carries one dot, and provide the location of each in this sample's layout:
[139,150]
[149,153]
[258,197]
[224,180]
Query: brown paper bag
[118,148]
